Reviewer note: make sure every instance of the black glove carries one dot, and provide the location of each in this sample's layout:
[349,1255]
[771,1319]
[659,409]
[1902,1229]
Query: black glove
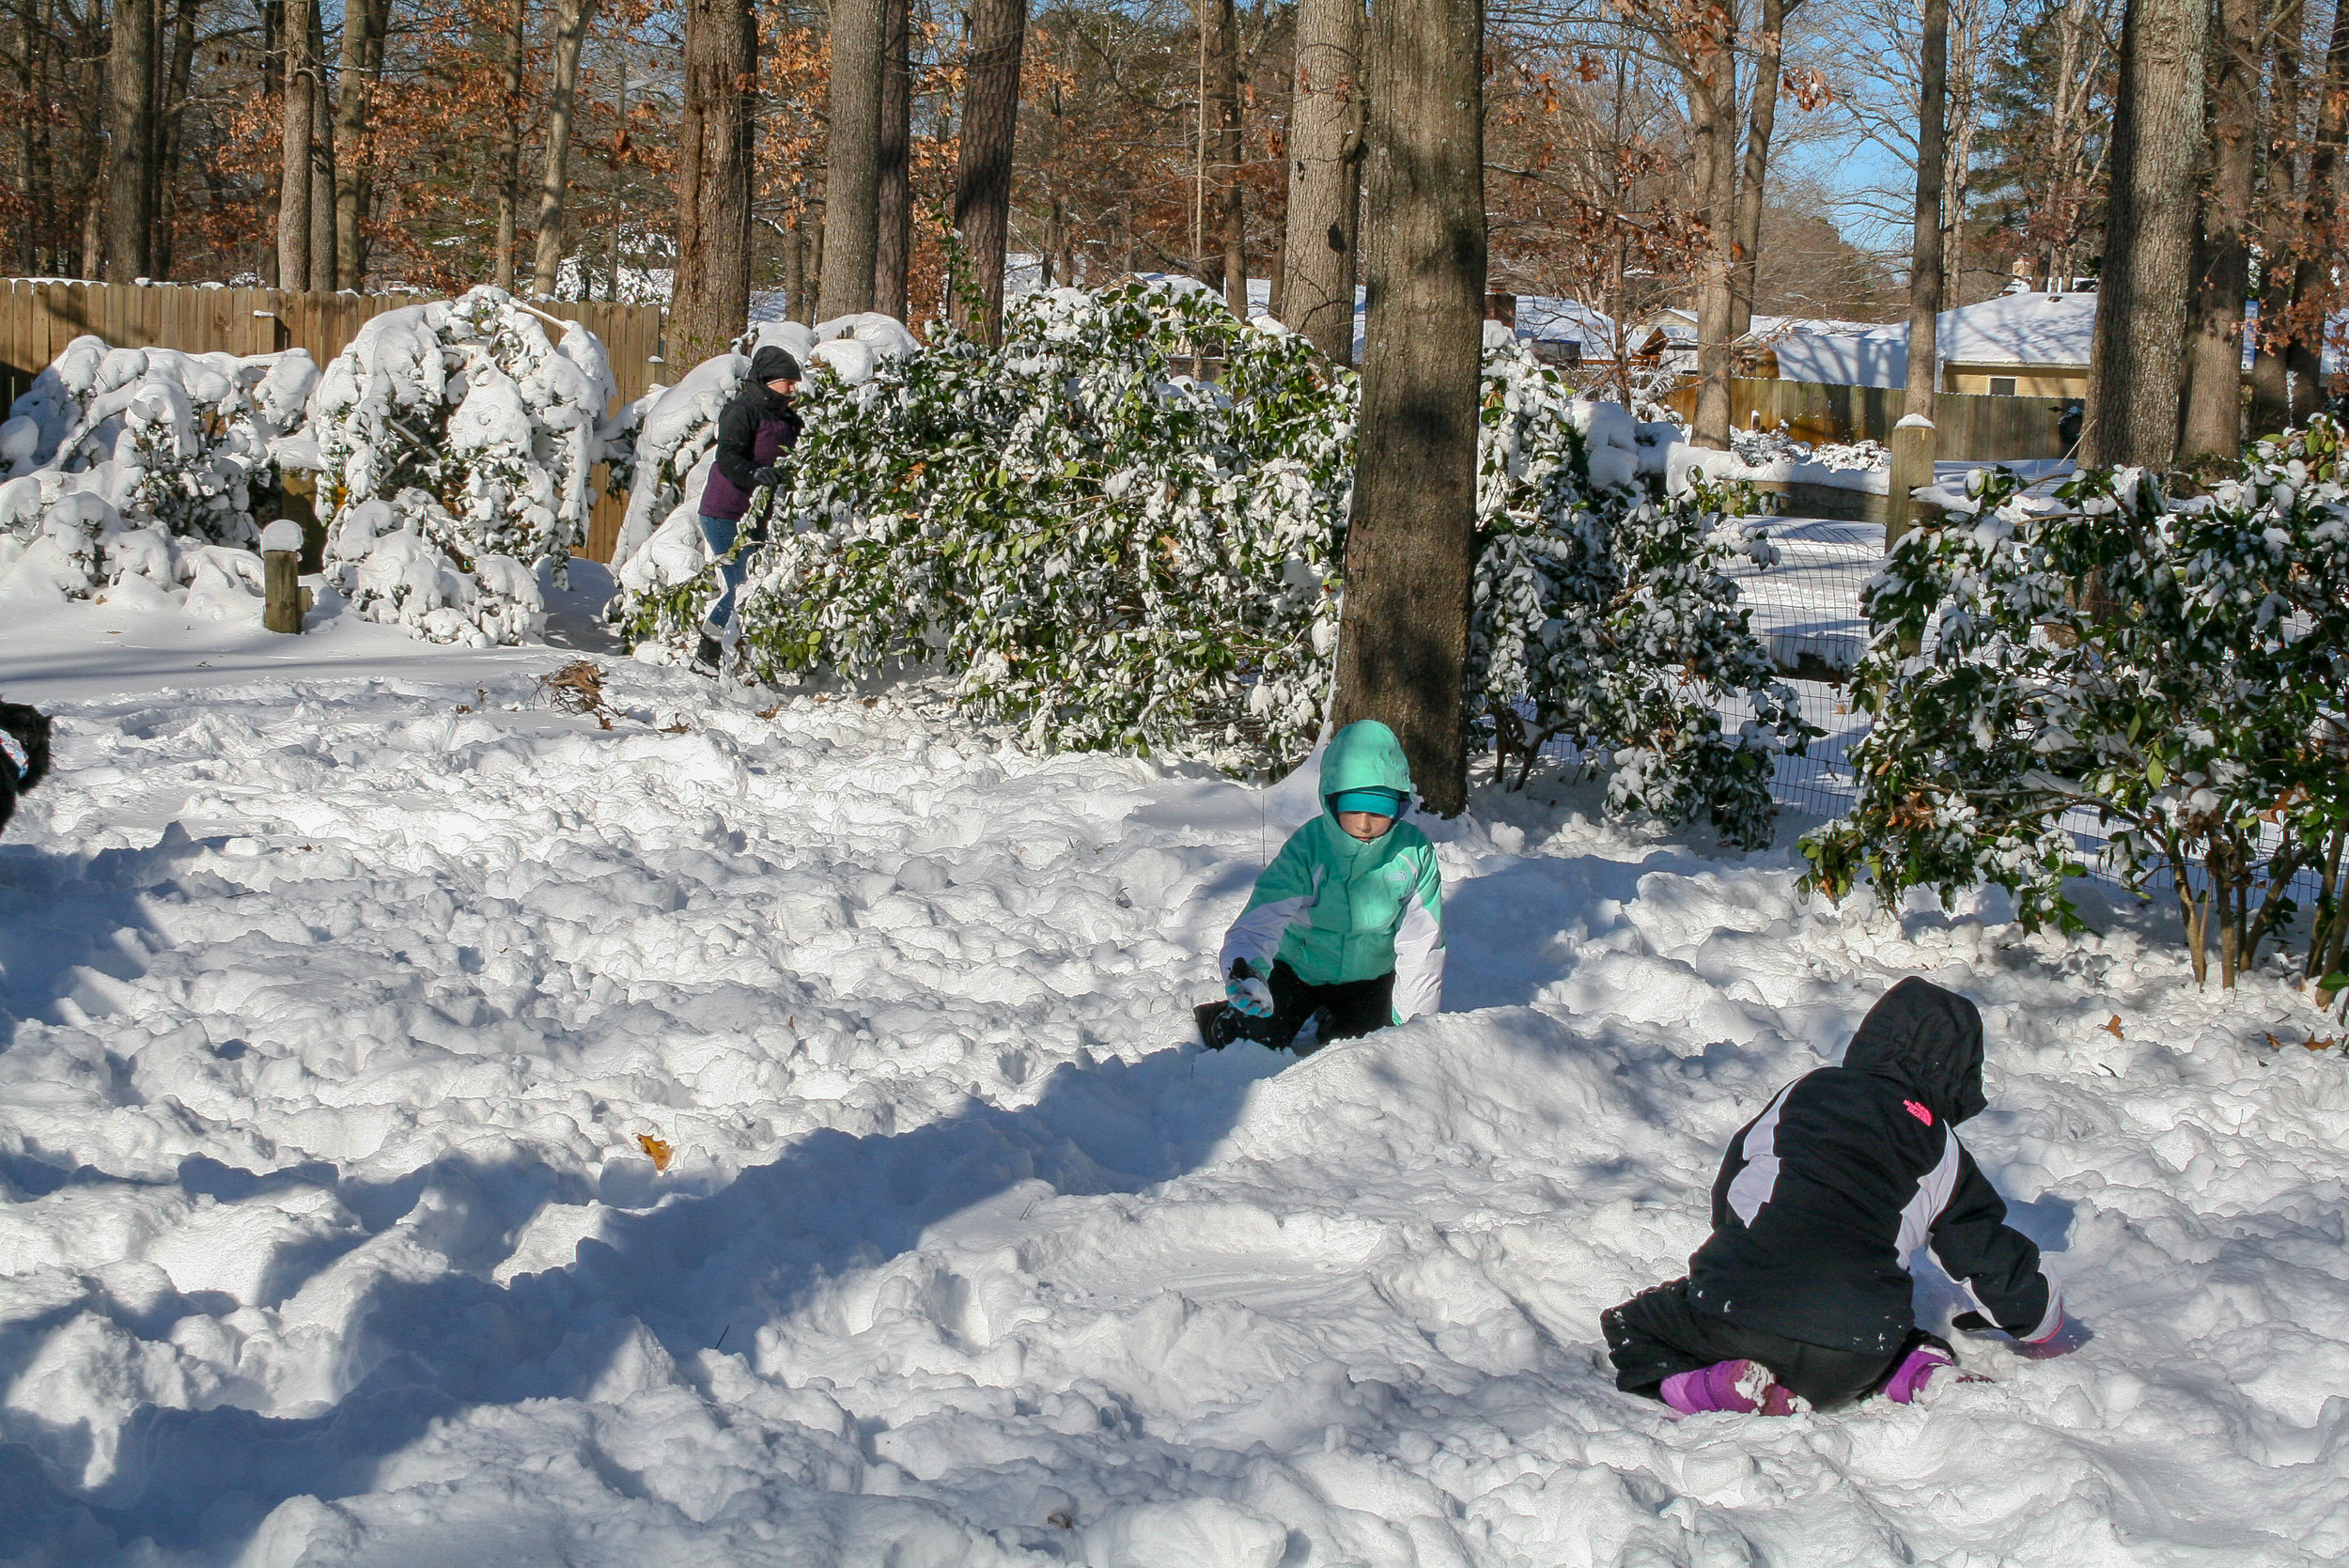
[768,478]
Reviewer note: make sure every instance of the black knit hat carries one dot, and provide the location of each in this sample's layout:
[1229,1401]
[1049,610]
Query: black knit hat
[772,363]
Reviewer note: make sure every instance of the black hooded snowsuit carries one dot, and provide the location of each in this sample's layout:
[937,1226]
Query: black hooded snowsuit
[1821,1200]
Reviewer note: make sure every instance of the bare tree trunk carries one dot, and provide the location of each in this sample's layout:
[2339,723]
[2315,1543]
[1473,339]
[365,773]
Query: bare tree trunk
[619,208]
[1222,22]
[710,304]
[131,136]
[852,185]
[990,118]
[2320,246]
[321,158]
[2271,380]
[1761,121]
[1961,117]
[892,249]
[1926,259]
[1410,550]
[509,145]
[1709,73]
[293,186]
[1325,176]
[795,272]
[571,32]
[2137,364]
[171,124]
[364,25]
[2212,422]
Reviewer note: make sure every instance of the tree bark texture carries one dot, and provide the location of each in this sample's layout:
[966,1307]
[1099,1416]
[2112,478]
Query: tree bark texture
[1410,550]
[131,134]
[1709,74]
[892,249]
[1325,176]
[1220,18]
[364,25]
[2136,365]
[853,180]
[509,141]
[321,158]
[1925,255]
[710,304]
[991,122]
[2321,246]
[293,173]
[2271,381]
[571,33]
[272,63]
[1761,122]
[2212,422]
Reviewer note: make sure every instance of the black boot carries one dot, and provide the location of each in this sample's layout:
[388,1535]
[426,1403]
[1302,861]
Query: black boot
[709,656]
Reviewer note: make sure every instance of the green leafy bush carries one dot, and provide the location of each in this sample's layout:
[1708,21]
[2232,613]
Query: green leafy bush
[2175,668]
[1111,553]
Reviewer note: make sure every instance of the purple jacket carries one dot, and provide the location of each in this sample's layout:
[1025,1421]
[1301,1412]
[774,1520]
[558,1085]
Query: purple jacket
[755,428]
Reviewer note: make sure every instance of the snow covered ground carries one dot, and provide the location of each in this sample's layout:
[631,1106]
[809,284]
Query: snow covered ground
[326,1235]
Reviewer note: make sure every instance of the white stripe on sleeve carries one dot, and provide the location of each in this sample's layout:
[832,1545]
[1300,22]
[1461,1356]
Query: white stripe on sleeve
[1934,1191]
[1256,935]
[1752,1186]
[1418,960]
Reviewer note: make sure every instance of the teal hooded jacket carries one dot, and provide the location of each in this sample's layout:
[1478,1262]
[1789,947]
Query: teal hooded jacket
[1335,909]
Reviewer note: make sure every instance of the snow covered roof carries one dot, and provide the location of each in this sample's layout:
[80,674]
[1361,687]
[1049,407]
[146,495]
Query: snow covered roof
[2024,331]
[1552,321]
[1768,329]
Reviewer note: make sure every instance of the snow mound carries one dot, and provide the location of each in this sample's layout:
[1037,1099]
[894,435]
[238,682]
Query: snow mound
[335,1015]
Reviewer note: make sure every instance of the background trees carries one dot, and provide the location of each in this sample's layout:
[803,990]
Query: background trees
[1738,159]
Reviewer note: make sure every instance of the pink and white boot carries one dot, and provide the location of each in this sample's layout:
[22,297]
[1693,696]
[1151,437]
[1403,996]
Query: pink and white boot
[1746,1386]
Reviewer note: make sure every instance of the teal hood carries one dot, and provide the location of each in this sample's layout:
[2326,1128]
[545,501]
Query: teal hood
[1364,756]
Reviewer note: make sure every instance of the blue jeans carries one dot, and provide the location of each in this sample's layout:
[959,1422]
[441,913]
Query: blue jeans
[720,532]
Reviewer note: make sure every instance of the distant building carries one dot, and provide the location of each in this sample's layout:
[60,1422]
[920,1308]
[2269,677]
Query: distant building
[1566,333]
[2019,345]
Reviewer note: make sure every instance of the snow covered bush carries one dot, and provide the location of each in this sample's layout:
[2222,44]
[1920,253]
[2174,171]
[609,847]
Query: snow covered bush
[458,438]
[2175,668]
[1112,554]
[1606,617]
[133,463]
[1760,448]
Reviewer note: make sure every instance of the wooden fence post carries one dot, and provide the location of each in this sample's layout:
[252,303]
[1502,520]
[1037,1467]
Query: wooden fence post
[1913,440]
[281,575]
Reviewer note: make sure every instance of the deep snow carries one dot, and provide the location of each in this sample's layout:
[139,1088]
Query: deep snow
[325,1235]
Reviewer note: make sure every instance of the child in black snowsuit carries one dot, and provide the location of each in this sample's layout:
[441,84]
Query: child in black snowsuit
[1802,1296]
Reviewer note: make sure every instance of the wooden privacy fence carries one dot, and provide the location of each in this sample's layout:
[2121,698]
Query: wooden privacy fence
[1967,425]
[37,318]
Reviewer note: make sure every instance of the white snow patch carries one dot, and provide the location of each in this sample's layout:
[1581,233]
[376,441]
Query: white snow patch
[334,1014]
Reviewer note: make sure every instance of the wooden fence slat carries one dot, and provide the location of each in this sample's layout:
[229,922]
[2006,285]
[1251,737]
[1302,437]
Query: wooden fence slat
[1971,424]
[12,314]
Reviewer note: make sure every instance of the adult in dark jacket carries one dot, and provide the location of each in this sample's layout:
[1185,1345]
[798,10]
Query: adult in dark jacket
[754,430]
[1802,1292]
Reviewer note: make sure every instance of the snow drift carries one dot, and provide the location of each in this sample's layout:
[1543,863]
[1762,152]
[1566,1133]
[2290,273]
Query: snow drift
[335,1015]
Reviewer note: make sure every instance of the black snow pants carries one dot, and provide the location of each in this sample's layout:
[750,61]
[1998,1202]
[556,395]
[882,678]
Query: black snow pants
[1350,1008]
[1659,1332]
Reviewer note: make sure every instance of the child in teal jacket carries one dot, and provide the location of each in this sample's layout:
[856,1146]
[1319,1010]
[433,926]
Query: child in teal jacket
[1347,920]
